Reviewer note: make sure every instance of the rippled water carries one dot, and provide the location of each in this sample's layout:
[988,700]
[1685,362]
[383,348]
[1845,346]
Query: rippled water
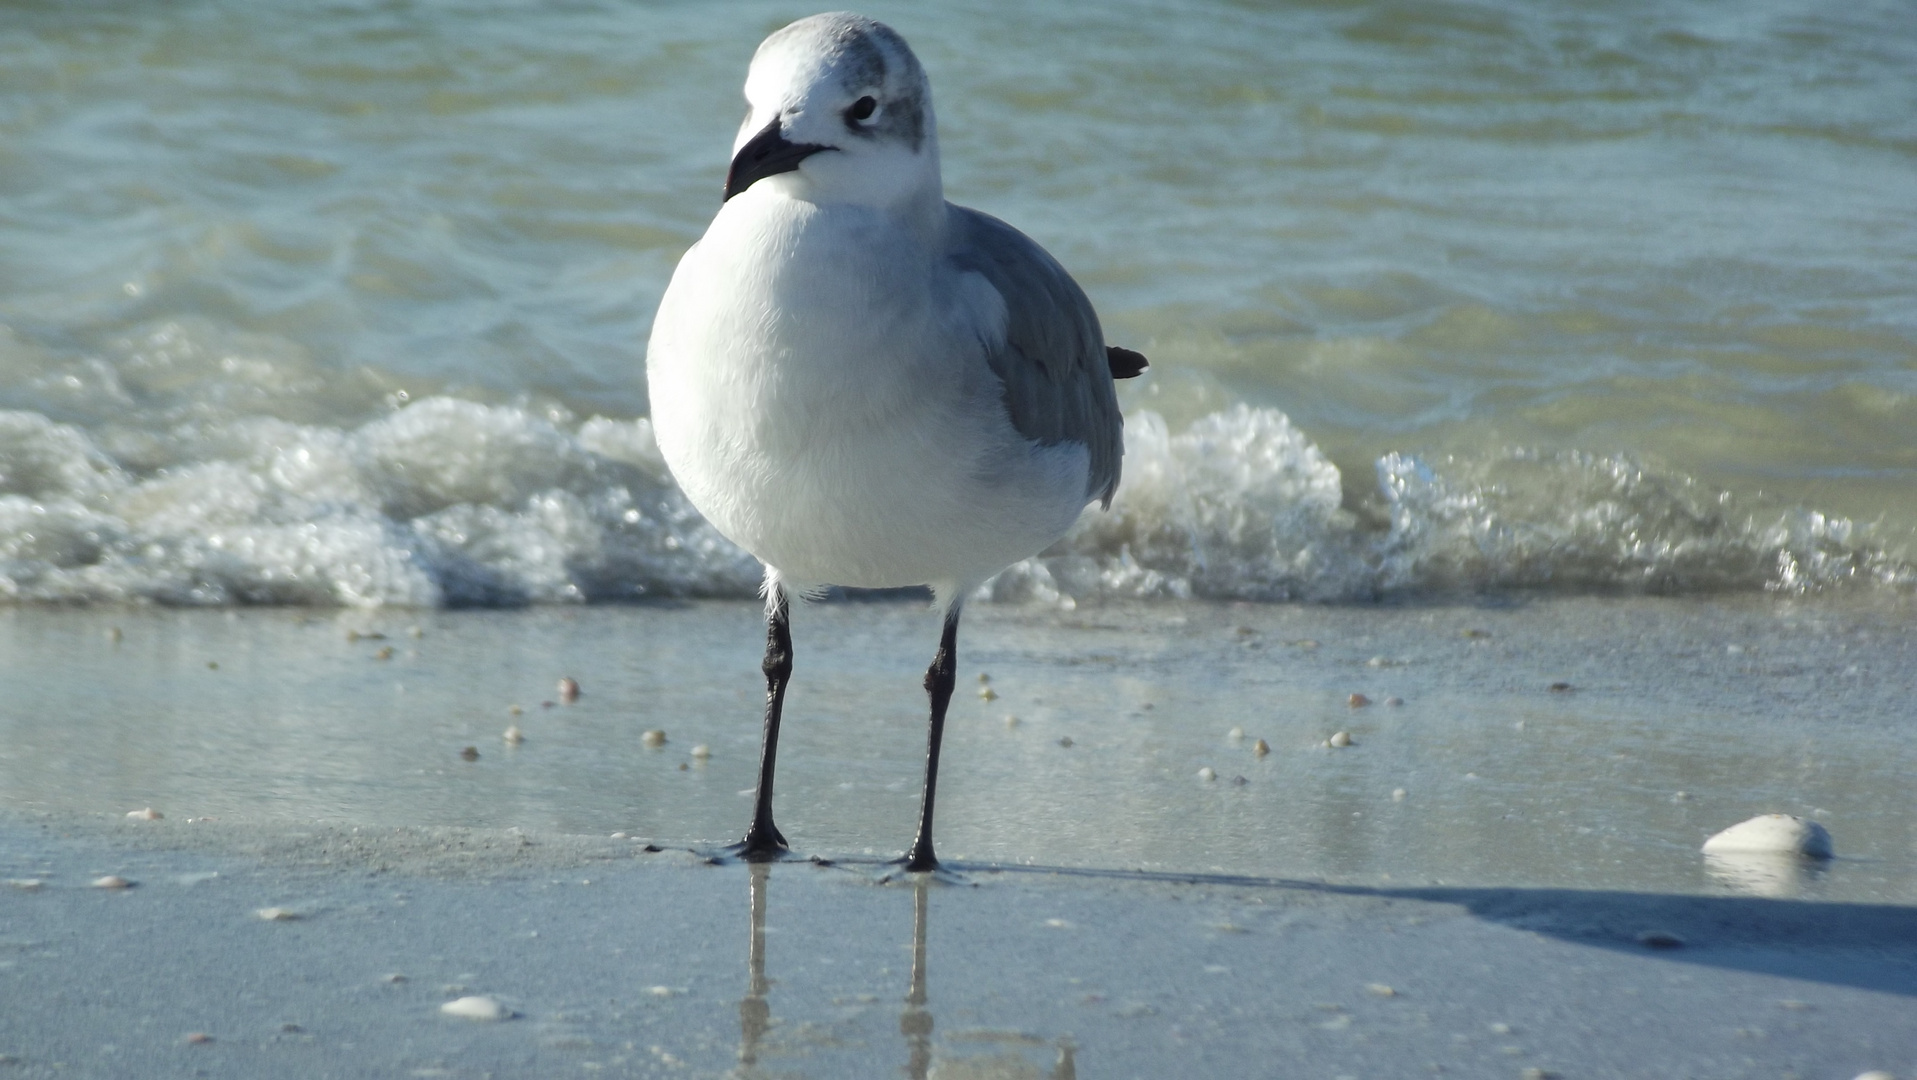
[348,302]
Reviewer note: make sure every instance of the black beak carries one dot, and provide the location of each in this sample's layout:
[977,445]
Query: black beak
[767,154]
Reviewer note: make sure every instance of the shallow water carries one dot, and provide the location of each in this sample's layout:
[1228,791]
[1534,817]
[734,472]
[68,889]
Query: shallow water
[1745,707]
[318,305]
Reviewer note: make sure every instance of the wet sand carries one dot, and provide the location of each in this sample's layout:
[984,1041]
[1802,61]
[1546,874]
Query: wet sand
[1535,900]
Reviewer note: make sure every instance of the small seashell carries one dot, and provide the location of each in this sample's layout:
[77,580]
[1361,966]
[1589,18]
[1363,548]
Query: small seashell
[1376,661]
[1207,773]
[568,690]
[702,751]
[1340,740]
[277,914]
[476,1007]
[471,753]
[111,881]
[145,814]
[1236,734]
[513,735]
[1011,722]
[1397,794]
[198,1038]
[1773,834]
[1357,701]
[1660,939]
[1381,990]
[1260,748]
[1875,1074]
[654,738]
[114,635]
[986,693]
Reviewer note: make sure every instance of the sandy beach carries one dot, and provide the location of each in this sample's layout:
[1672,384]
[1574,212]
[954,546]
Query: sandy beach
[1495,879]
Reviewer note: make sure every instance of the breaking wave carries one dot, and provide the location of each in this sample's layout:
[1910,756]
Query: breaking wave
[449,502]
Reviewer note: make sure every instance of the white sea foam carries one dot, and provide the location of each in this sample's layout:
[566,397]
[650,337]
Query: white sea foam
[449,502]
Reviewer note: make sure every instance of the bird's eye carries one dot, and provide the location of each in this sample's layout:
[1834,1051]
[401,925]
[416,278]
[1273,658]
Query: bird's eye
[862,109]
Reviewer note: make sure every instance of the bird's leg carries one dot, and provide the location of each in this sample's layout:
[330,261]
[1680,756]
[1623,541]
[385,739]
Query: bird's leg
[939,679]
[762,842]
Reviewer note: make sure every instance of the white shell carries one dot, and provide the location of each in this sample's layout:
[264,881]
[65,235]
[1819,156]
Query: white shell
[112,881]
[1208,773]
[277,914]
[476,1007]
[145,814]
[655,737]
[1773,834]
[1340,740]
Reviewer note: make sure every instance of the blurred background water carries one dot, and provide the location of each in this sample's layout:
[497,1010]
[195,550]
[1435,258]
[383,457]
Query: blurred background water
[347,302]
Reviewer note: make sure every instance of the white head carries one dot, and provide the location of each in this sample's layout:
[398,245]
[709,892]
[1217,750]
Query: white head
[840,111]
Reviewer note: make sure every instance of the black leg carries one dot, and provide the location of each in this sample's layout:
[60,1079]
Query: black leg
[762,842]
[939,679]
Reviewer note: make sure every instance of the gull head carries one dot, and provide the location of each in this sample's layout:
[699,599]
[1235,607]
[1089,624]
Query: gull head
[839,111]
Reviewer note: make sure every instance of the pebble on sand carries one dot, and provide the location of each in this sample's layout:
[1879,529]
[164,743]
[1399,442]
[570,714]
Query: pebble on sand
[1357,701]
[1011,722]
[568,690]
[702,751]
[1560,688]
[513,735]
[114,634]
[1065,742]
[515,710]
[111,881]
[1875,1074]
[277,914]
[1381,990]
[1260,748]
[471,753]
[1236,734]
[1660,939]
[1208,773]
[1773,834]
[146,813]
[197,1038]
[1339,740]
[654,738]
[385,653]
[1397,794]
[476,1007]
[986,693]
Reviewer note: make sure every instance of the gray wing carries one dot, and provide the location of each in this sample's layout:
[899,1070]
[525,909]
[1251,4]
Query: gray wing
[1058,378]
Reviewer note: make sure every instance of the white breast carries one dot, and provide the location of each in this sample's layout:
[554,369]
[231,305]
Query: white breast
[819,389]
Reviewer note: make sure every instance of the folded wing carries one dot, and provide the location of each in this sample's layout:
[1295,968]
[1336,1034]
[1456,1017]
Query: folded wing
[1054,364]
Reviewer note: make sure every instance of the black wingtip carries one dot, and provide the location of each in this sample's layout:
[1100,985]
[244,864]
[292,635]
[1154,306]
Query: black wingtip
[1125,363]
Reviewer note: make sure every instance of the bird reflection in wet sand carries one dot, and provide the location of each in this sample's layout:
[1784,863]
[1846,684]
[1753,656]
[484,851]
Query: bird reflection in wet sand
[915,1022]
[755,1013]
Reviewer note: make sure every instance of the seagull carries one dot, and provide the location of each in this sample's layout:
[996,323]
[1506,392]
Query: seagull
[864,385]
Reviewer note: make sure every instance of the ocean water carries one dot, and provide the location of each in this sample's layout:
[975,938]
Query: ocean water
[346,303]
